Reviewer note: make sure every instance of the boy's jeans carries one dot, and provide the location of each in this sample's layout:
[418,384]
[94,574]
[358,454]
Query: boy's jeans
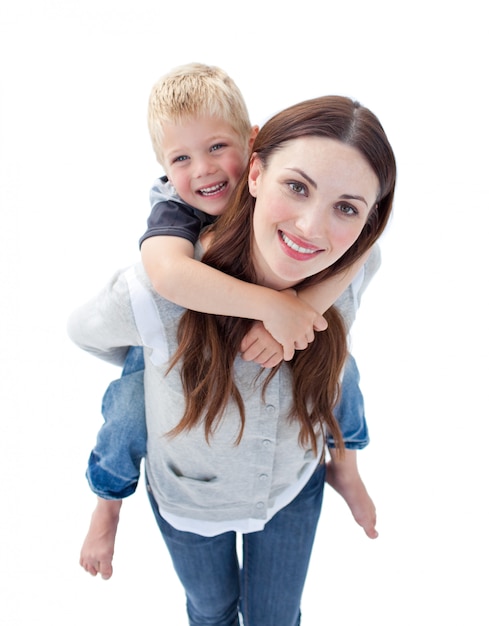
[114,465]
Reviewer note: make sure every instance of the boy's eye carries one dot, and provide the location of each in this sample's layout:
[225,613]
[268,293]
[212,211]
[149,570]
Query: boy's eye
[217,146]
[177,159]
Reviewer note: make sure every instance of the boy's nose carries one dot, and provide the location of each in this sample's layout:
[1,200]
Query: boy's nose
[203,167]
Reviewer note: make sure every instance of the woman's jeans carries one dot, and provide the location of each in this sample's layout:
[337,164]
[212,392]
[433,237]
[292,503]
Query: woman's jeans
[268,588]
[114,465]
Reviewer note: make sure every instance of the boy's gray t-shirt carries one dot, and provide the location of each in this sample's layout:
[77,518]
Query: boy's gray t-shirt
[170,215]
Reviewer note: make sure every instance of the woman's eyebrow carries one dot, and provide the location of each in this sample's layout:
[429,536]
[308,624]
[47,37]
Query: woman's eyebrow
[304,175]
[346,196]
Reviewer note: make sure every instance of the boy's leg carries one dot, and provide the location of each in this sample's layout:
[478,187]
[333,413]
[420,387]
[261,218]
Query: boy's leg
[114,464]
[342,476]
[276,559]
[98,548]
[208,569]
[350,411]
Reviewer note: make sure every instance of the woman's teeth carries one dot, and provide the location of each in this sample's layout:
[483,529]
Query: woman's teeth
[295,247]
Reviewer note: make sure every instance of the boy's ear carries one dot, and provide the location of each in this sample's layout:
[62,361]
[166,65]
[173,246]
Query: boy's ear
[254,174]
[253,134]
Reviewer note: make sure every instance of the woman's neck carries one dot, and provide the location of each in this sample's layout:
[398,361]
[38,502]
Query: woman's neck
[262,279]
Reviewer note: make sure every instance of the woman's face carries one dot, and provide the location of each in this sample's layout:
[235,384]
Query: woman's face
[312,201]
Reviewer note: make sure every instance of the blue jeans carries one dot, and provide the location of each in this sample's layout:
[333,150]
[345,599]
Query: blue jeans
[114,465]
[268,588]
[350,411]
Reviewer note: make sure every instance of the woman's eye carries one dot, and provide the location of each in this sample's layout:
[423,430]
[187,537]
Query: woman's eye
[347,209]
[299,188]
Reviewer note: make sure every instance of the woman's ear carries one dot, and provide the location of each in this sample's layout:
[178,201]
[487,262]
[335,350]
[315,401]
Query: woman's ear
[254,173]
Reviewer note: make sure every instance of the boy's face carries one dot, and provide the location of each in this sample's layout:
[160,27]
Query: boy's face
[203,158]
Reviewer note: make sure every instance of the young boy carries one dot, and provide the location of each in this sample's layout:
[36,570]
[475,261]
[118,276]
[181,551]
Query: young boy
[203,138]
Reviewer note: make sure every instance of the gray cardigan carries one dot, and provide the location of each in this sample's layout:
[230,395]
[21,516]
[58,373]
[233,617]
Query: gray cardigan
[204,487]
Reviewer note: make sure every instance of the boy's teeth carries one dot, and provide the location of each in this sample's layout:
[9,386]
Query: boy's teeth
[213,189]
[295,247]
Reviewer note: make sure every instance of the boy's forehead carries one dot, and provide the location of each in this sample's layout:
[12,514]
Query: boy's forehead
[198,118]
[198,127]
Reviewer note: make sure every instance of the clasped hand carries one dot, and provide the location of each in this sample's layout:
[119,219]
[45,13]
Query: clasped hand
[290,326]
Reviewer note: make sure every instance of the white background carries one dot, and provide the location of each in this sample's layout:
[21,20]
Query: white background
[76,165]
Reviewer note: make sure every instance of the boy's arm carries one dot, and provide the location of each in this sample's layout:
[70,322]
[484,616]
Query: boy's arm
[342,474]
[260,347]
[178,277]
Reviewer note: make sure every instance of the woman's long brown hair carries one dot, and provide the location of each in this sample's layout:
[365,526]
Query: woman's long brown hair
[209,344]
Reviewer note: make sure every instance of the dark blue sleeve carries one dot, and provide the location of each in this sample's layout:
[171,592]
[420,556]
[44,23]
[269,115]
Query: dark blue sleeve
[177,219]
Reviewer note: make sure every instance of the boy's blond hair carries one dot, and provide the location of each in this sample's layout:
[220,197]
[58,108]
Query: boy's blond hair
[193,90]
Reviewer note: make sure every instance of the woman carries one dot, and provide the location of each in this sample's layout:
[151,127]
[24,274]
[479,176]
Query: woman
[231,449]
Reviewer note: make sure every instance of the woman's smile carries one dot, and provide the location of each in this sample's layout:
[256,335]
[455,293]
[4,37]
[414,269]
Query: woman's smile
[297,248]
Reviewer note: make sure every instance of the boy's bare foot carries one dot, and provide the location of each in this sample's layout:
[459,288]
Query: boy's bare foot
[98,548]
[345,479]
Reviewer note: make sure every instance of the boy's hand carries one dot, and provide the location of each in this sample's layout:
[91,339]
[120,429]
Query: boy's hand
[292,322]
[259,346]
[345,479]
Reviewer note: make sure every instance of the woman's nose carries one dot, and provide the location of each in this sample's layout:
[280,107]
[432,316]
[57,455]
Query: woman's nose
[313,223]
